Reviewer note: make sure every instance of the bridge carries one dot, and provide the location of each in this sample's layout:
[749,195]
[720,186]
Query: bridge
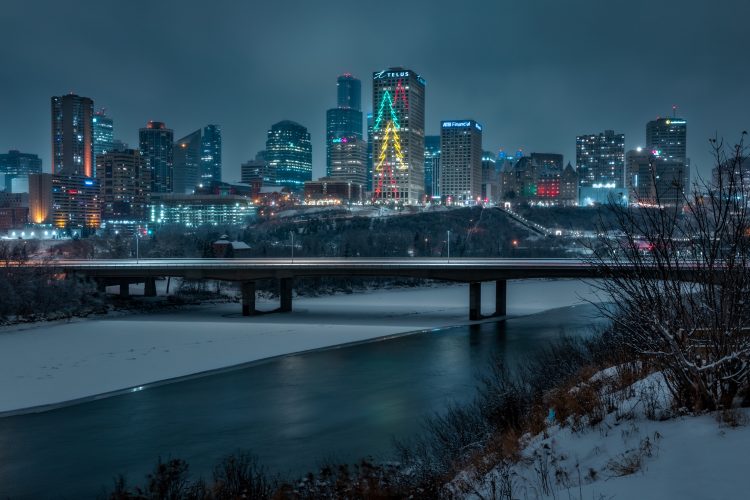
[248,271]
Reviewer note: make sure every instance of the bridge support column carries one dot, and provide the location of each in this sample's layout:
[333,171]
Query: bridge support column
[285,293]
[149,287]
[124,289]
[501,297]
[248,298]
[475,301]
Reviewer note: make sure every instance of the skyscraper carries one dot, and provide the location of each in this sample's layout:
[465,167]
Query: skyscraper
[289,154]
[125,185]
[460,161]
[156,145]
[72,135]
[103,133]
[210,169]
[666,138]
[369,152]
[600,163]
[187,163]
[16,167]
[398,97]
[349,93]
[348,162]
[491,181]
[432,165]
[345,121]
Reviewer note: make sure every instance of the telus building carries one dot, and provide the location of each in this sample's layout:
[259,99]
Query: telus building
[398,99]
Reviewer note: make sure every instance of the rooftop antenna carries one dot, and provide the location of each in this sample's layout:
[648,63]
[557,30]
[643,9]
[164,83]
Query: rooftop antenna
[674,110]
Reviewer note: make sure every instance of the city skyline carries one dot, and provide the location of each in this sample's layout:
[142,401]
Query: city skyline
[521,102]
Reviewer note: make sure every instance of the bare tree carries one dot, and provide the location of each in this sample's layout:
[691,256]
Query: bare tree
[683,302]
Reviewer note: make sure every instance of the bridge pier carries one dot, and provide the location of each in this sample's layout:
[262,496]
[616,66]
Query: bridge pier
[501,297]
[101,286]
[248,298]
[149,287]
[124,289]
[285,294]
[475,300]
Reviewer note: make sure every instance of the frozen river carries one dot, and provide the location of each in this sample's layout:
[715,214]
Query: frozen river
[293,411]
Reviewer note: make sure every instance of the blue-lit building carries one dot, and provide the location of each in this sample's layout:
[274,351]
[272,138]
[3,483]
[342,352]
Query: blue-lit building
[15,168]
[345,120]
[600,163]
[156,145]
[210,169]
[289,154]
[369,152]
[432,166]
[104,134]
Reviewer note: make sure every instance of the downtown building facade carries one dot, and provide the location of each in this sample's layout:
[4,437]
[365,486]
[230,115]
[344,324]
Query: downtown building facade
[15,168]
[600,162]
[398,100]
[125,186]
[432,166]
[460,162]
[201,209]
[538,179]
[289,155]
[210,165]
[344,130]
[156,143]
[72,135]
[187,163]
[666,140]
[104,134]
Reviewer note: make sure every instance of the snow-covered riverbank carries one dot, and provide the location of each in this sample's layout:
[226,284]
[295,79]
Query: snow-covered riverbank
[50,364]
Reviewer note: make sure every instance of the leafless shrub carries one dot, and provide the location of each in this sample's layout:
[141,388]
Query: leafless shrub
[683,302]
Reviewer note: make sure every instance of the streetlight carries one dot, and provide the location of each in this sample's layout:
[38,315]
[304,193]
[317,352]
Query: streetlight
[292,233]
[137,244]
[449,245]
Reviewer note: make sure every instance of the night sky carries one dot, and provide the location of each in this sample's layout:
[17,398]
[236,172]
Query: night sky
[534,73]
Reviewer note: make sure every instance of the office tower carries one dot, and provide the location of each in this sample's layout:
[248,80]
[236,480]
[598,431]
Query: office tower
[348,161]
[491,182]
[72,135]
[346,119]
[66,201]
[187,163]
[666,138]
[210,170]
[16,167]
[369,152]
[103,133]
[460,161]
[600,163]
[289,154]
[349,93]
[431,165]
[639,164]
[398,97]
[156,145]
[125,185]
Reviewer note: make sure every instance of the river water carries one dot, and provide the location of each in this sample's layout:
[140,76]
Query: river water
[292,412]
